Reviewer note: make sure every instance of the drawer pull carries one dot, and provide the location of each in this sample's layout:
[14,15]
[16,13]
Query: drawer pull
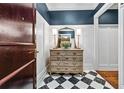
[66,68]
[58,53]
[58,68]
[66,58]
[74,53]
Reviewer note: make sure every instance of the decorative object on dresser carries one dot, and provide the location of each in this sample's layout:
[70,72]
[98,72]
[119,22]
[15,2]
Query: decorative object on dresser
[54,34]
[78,36]
[66,36]
[66,61]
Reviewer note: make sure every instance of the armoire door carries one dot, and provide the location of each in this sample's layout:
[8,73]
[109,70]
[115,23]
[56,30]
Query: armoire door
[17,41]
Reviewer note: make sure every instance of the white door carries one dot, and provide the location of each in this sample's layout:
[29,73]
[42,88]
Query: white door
[121,46]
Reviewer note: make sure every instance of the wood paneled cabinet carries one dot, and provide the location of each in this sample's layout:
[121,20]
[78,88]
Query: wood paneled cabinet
[16,12]
[17,40]
[13,57]
[66,61]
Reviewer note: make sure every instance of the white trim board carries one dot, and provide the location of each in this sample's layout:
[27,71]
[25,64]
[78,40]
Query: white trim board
[106,67]
[121,86]
[96,28]
[121,46]
[103,9]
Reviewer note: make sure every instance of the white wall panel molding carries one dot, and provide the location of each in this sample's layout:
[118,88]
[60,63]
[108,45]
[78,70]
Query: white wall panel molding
[121,46]
[87,42]
[42,45]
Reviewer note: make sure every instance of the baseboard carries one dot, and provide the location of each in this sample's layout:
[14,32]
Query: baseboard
[121,87]
[106,67]
[87,66]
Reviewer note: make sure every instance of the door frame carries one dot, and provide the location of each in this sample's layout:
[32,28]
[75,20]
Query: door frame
[121,46]
[96,32]
[120,41]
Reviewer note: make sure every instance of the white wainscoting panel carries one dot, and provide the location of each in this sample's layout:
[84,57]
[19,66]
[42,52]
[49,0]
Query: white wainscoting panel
[107,47]
[42,46]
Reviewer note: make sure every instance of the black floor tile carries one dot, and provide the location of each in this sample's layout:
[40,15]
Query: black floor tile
[44,87]
[60,80]
[86,80]
[74,87]
[48,79]
[90,87]
[93,73]
[99,80]
[59,87]
[106,87]
[73,80]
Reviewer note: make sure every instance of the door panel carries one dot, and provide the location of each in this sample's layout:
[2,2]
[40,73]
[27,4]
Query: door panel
[17,46]
[108,48]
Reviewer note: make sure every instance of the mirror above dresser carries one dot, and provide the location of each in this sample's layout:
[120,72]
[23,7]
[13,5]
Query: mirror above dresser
[66,38]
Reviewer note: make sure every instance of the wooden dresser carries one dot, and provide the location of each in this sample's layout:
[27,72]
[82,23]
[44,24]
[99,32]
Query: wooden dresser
[66,61]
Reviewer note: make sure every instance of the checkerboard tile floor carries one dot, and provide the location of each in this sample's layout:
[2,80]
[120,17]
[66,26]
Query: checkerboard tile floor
[89,80]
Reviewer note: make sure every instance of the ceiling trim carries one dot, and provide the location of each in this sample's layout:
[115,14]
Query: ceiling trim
[98,8]
[71,9]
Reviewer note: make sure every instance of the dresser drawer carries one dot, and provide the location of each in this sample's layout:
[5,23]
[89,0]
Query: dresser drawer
[66,58]
[73,64]
[56,58]
[72,58]
[57,53]
[66,69]
[67,53]
[66,63]
[74,53]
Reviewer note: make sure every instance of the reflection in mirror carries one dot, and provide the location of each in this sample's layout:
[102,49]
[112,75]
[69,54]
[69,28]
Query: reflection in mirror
[66,38]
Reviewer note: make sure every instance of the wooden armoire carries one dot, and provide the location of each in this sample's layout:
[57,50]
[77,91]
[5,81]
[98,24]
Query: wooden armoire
[17,40]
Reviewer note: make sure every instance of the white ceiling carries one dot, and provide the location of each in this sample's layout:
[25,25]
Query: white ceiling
[71,6]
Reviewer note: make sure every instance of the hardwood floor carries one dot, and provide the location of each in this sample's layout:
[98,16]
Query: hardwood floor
[111,77]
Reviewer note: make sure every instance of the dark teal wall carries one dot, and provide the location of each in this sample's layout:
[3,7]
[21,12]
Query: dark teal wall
[71,17]
[76,17]
[109,17]
[83,17]
[43,10]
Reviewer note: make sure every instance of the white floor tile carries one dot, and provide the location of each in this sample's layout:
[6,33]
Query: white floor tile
[42,84]
[90,76]
[86,71]
[53,84]
[55,76]
[67,76]
[82,85]
[108,85]
[47,75]
[67,85]
[78,76]
[96,85]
